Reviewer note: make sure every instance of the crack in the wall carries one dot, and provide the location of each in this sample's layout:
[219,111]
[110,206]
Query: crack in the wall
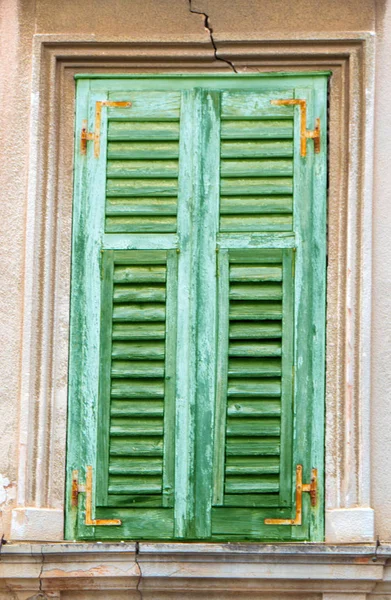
[140,573]
[212,40]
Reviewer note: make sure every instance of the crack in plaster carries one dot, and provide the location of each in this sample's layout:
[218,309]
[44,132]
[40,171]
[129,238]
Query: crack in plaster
[140,573]
[210,32]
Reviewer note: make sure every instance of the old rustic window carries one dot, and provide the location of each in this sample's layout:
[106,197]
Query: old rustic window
[198,307]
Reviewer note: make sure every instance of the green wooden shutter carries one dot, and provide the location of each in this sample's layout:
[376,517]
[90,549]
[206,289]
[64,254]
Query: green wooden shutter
[197,311]
[124,310]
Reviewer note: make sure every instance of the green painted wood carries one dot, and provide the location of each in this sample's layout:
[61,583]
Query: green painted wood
[250,105]
[184,506]
[160,192]
[149,130]
[267,129]
[141,206]
[170,380]
[206,221]
[148,150]
[221,378]
[232,205]
[146,105]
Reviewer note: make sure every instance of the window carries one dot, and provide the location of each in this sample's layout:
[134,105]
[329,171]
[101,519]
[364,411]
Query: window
[198,308]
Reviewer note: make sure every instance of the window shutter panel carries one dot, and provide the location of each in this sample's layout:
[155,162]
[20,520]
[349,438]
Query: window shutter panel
[265,224]
[131,193]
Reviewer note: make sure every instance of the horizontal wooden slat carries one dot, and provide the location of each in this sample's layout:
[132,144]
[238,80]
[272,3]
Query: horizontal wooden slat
[137,407]
[144,311]
[255,310]
[263,256]
[125,426]
[135,466]
[256,148]
[254,348]
[133,446]
[137,150]
[142,187]
[141,293]
[254,387]
[239,465]
[136,274]
[247,273]
[251,484]
[145,484]
[255,205]
[143,131]
[146,224]
[128,350]
[250,500]
[256,167]
[138,331]
[148,169]
[142,501]
[256,223]
[248,186]
[253,446]
[146,104]
[252,427]
[257,129]
[135,206]
[250,367]
[248,407]
[135,368]
[247,330]
[251,291]
[137,388]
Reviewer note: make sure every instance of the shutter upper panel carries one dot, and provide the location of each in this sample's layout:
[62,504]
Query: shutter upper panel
[142,164]
[256,164]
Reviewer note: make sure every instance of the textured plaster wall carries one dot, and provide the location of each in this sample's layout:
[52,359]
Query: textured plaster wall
[381,314]
[171,19]
[16,28]
[231,18]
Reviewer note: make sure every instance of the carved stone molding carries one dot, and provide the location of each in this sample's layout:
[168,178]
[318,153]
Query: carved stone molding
[303,572]
[43,399]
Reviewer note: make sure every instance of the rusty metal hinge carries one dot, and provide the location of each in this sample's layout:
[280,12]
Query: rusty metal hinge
[87,136]
[86,489]
[300,488]
[305,133]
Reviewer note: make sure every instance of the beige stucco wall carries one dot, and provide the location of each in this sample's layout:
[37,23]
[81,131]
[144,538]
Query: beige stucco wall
[171,20]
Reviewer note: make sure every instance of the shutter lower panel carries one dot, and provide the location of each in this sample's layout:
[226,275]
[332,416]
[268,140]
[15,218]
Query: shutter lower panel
[132,454]
[259,330]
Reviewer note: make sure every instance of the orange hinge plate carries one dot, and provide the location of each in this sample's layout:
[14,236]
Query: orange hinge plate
[305,133]
[301,487]
[87,489]
[94,136]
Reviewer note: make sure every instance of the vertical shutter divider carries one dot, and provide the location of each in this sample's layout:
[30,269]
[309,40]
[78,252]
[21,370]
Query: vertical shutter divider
[222,375]
[169,379]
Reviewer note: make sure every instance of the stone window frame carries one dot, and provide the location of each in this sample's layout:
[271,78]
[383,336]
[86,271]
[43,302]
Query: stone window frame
[43,397]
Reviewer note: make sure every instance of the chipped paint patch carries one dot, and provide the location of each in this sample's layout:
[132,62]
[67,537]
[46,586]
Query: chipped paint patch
[7,490]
